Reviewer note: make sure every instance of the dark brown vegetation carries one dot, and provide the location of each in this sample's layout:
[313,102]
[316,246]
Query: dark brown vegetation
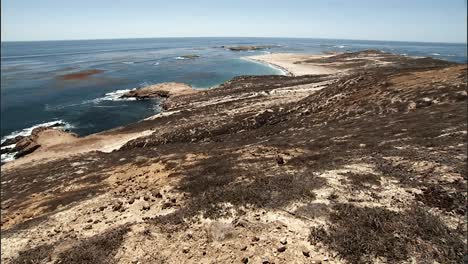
[98,249]
[358,234]
[39,254]
[436,196]
[362,180]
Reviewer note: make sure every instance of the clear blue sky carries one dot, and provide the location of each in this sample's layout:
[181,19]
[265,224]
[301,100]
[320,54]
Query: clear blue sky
[405,20]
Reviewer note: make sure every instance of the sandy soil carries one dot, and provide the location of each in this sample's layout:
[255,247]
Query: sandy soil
[291,63]
[56,144]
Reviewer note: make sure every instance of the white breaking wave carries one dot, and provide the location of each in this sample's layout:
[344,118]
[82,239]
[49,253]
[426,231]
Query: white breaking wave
[8,146]
[128,62]
[179,58]
[27,131]
[6,157]
[156,63]
[340,46]
[113,96]
[435,54]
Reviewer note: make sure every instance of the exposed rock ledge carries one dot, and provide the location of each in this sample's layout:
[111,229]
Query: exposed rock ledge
[162,90]
[25,145]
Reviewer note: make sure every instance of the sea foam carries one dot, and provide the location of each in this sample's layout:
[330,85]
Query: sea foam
[27,131]
[6,157]
[113,96]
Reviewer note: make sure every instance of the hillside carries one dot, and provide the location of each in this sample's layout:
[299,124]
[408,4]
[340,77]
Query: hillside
[367,164]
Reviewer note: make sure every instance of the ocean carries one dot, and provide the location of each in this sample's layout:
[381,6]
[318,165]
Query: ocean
[35,91]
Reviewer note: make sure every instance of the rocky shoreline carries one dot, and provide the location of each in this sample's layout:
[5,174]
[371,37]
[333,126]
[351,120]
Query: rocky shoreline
[23,145]
[364,164]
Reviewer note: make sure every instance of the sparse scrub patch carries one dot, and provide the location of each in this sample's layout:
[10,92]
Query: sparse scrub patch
[361,234]
[436,196]
[38,254]
[362,180]
[98,249]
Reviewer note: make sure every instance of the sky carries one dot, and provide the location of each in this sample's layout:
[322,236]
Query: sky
[398,20]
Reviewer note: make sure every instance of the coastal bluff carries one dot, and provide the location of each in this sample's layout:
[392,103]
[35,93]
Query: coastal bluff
[360,157]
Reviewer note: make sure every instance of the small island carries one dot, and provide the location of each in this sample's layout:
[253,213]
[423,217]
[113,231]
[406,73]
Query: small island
[249,47]
[189,56]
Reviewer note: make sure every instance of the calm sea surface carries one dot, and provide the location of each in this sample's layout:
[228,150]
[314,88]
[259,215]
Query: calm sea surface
[33,93]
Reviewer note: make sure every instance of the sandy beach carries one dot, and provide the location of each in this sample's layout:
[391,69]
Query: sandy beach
[294,64]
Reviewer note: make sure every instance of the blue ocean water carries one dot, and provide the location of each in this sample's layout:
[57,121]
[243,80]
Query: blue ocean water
[33,93]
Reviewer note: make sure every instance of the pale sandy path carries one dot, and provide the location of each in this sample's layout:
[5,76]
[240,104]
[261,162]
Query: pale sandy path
[286,61]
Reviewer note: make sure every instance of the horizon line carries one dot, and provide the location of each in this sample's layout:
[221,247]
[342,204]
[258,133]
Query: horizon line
[349,39]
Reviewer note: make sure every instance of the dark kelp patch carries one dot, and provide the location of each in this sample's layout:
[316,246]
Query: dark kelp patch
[79,75]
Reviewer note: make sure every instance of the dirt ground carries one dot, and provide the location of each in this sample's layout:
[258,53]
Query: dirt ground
[364,165]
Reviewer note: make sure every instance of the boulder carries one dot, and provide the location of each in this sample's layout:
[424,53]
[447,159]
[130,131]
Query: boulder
[281,248]
[31,147]
[12,141]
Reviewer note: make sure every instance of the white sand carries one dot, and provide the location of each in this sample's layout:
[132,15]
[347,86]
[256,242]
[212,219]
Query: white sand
[286,61]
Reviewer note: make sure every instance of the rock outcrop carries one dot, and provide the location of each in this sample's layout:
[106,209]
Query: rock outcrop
[25,145]
[250,47]
[162,90]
